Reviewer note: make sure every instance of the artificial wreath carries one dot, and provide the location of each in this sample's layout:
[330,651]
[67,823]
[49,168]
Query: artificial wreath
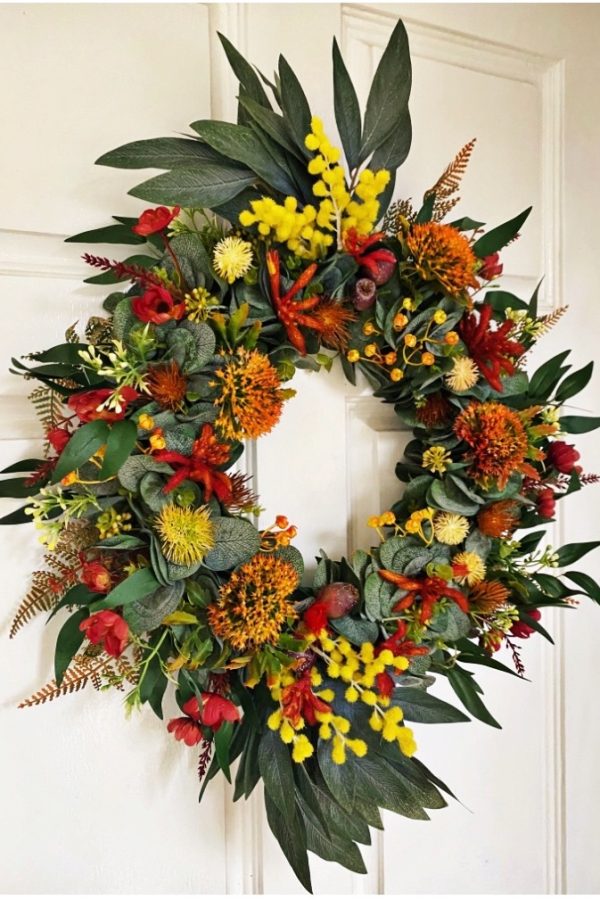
[265,254]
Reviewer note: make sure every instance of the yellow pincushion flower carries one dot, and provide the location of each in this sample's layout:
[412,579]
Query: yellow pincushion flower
[464,374]
[436,459]
[450,528]
[468,567]
[232,258]
[186,534]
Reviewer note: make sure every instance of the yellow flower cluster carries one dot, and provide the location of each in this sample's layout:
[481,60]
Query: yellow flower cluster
[309,231]
[451,528]
[469,568]
[416,522]
[340,210]
[286,224]
[199,304]
[359,670]
[111,523]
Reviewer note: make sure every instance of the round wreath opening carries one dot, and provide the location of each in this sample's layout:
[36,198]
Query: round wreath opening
[269,249]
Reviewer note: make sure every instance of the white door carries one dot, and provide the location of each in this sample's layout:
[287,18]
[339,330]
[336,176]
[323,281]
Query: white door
[523,80]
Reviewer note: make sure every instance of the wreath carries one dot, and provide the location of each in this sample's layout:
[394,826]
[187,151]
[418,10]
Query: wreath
[265,254]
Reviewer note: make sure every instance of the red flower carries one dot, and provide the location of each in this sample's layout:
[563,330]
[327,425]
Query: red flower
[186,730]
[429,589]
[58,438]
[298,701]
[491,350]
[385,684]
[158,306]
[398,645]
[332,601]
[563,457]
[292,313]
[86,404]
[522,629]
[546,503]
[96,577]
[216,710]
[153,220]
[491,268]
[201,465]
[380,264]
[109,628]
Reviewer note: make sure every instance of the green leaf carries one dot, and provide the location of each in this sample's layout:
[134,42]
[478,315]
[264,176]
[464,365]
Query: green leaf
[121,542]
[357,631]
[154,683]
[135,587]
[18,517]
[208,186]
[502,300]
[271,123]
[147,614]
[110,234]
[419,706]
[339,780]
[82,446]
[275,766]
[68,642]
[159,153]
[570,553]
[294,104]
[544,379]
[464,686]
[121,441]
[394,150]
[579,424]
[445,495]
[333,848]
[241,144]
[586,583]
[236,541]
[389,93]
[61,353]
[222,740]
[498,237]
[347,110]
[378,597]
[291,837]
[78,595]
[244,73]
[20,488]
[133,470]
[23,465]
[574,383]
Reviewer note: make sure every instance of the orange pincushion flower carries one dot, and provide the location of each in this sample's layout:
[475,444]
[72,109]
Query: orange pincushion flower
[251,397]
[167,385]
[497,439]
[488,596]
[253,605]
[333,319]
[441,253]
[498,519]
[435,411]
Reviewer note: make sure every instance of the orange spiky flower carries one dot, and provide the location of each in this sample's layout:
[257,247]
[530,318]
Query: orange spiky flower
[242,497]
[488,596]
[498,519]
[333,319]
[167,385]
[498,441]
[435,411]
[253,605]
[251,397]
[441,253]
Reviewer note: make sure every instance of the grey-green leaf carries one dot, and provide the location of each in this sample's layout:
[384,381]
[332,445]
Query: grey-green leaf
[207,186]
[236,540]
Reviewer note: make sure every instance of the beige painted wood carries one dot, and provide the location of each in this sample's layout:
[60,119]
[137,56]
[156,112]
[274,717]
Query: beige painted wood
[523,79]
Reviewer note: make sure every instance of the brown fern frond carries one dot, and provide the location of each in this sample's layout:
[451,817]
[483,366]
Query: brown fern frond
[71,336]
[545,323]
[50,585]
[81,670]
[93,666]
[48,405]
[441,209]
[401,209]
[449,181]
